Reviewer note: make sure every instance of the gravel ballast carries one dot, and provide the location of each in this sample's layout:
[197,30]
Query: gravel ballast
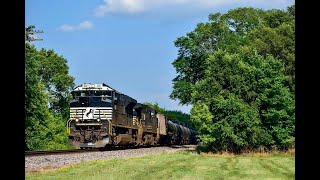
[37,163]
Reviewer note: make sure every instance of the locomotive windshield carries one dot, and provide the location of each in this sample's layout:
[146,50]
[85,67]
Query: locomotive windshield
[91,98]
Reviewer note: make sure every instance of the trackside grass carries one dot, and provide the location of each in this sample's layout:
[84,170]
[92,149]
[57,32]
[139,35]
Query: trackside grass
[181,165]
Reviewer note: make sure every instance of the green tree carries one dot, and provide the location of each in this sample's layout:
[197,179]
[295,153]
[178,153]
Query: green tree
[242,103]
[232,125]
[47,86]
[28,29]
[36,112]
[54,73]
[274,101]
[237,70]
[276,37]
[239,30]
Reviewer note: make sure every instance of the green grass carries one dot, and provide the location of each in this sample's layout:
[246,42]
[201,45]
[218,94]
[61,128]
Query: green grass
[177,166]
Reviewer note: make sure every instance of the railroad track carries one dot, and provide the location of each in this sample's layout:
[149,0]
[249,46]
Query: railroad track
[114,148]
[39,153]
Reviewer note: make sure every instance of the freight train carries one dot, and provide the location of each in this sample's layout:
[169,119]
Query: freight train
[101,116]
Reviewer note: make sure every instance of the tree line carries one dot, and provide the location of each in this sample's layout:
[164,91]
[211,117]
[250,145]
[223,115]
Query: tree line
[174,115]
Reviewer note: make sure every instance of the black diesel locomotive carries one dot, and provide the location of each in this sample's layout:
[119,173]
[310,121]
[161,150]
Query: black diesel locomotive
[100,116]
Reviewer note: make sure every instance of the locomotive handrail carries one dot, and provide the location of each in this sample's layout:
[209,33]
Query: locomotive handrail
[69,123]
[140,130]
[110,123]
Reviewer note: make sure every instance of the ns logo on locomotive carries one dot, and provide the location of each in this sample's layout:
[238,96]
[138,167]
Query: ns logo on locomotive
[100,116]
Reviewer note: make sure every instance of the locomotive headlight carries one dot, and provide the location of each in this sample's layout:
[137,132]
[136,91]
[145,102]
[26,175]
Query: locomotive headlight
[98,120]
[77,120]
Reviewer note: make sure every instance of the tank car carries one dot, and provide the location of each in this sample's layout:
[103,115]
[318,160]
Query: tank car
[178,134]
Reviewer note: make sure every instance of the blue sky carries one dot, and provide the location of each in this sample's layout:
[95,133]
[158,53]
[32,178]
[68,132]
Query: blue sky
[127,44]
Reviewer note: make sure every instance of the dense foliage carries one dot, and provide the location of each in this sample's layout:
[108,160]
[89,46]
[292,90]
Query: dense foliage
[238,72]
[173,115]
[47,87]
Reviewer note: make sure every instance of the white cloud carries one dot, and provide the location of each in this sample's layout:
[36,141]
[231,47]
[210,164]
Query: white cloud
[130,6]
[66,28]
[138,6]
[85,25]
